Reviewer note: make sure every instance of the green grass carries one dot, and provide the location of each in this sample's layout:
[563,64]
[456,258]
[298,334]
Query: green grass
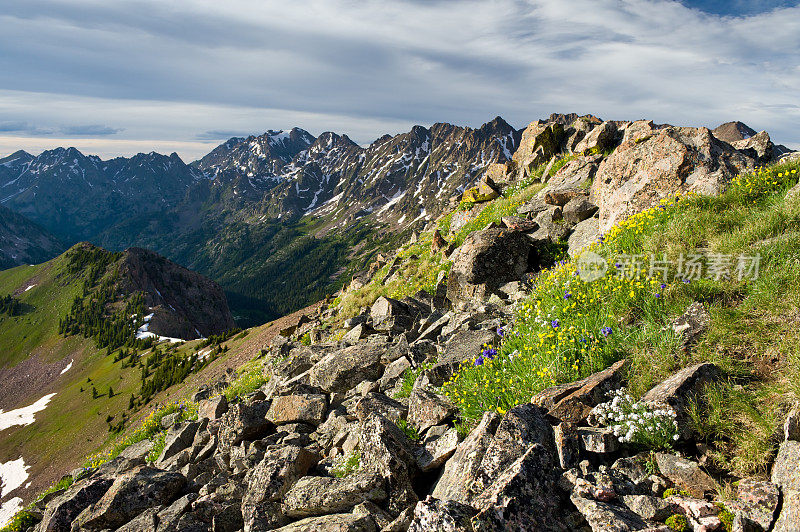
[558,335]
[409,430]
[251,378]
[347,465]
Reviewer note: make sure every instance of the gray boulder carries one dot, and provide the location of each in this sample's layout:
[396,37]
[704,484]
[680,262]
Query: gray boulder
[786,475]
[244,422]
[426,409]
[64,509]
[312,496]
[298,408]
[442,516]
[344,369]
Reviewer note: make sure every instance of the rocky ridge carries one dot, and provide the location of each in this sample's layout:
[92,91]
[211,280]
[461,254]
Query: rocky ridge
[339,439]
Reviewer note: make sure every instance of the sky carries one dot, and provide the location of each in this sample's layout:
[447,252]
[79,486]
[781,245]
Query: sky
[117,78]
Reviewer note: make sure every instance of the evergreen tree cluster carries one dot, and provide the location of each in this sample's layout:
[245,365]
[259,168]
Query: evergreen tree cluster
[9,306]
[170,369]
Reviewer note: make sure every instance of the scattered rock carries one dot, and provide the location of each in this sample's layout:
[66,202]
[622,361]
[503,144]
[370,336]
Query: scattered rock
[312,496]
[692,324]
[786,475]
[244,422]
[685,474]
[438,451]
[300,408]
[344,369]
[213,408]
[608,517]
[648,507]
[441,515]
[756,504]
[64,509]
[426,409]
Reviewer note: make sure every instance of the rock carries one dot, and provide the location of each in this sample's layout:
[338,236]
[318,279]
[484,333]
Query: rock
[354,335]
[269,482]
[168,517]
[377,403]
[178,438]
[539,143]
[402,522]
[791,428]
[578,209]
[758,147]
[312,496]
[228,519]
[786,475]
[64,509]
[685,474]
[391,315]
[642,171]
[608,517]
[426,409]
[300,408]
[438,451]
[137,451]
[568,446]
[213,408]
[692,324]
[521,427]
[466,345]
[599,139]
[756,504]
[332,523]
[461,470]
[574,402]
[648,507]
[793,193]
[562,196]
[169,420]
[244,422]
[680,389]
[485,260]
[583,235]
[524,496]
[131,494]
[386,450]
[515,223]
[485,191]
[576,174]
[597,440]
[442,516]
[342,370]
[147,520]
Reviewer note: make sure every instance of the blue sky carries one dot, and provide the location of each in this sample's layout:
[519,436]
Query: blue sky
[126,76]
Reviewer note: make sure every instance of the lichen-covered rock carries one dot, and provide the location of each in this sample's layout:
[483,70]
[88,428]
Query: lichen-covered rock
[437,451]
[599,139]
[298,408]
[786,475]
[583,235]
[131,494]
[648,507]
[213,408]
[312,496]
[461,470]
[442,516]
[426,409]
[607,517]
[178,438]
[578,209]
[642,171]
[61,511]
[523,497]
[466,345]
[269,482]
[521,427]
[244,422]
[680,389]
[685,474]
[391,315]
[344,369]
[692,324]
[485,260]
[332,523]
[378,403]
[756,504]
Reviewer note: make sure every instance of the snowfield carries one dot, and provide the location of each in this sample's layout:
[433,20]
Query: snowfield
[25,415]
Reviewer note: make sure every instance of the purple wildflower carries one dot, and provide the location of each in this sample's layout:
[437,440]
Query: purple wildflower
[606,331]
[554,324]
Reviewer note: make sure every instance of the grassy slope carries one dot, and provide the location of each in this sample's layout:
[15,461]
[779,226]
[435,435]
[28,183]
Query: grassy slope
[558,334]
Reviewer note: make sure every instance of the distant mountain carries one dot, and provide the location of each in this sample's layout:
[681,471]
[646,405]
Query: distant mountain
[24,242]
[272,217]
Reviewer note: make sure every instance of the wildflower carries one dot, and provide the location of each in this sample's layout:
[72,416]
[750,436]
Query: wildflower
[606,331]
[501,332]
[567,295]
[554,324]
[479,361]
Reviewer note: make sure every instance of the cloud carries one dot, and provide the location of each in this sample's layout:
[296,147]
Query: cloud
[221,135]
[13,126]
[90,131]
[202,70]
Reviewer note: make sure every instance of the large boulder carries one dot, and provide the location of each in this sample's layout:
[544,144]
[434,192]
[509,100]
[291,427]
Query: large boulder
[524,497]
[312,496]
[485,260]
[442,515]
[342,370]
[681,389]
[426,409]
[64,509]
[391,315]
[759,147]
[462,469]
[540,141]
[269,482]
[685,474]
[608,517]
[130,494]
[599,139]
[332,523]
[642,171]
[298,408]
[244,422]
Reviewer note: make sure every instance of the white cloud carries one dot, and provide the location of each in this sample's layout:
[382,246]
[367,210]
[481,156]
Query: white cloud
[164,74]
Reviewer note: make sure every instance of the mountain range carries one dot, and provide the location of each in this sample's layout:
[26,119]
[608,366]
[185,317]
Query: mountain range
[256,212]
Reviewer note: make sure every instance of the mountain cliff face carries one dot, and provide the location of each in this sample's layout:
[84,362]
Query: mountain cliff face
[24,242]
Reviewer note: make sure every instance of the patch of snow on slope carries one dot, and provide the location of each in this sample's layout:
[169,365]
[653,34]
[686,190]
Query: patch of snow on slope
[69,366]
[394,199]
[8,509]
[13,474]
[28,288]
[25,415]
[143,332]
